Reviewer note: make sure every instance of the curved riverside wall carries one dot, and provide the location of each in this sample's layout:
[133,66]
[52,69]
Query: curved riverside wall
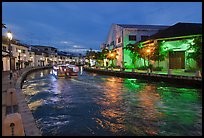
[29,124]
[195,82]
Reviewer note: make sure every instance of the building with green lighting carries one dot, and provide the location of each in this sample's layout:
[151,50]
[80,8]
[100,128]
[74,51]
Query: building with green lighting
[122,34]
[175,41]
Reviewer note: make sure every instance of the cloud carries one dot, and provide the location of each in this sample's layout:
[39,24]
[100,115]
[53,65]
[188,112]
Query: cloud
[76,25]
[67,42]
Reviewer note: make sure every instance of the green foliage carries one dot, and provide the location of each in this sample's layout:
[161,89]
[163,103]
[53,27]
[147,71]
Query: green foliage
[90,54]
[142,68]
[196,55]
[135,52]
[159,53]
[104,53]
[134,48]
[158,68]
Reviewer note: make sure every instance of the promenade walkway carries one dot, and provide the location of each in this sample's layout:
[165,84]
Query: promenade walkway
[26,115]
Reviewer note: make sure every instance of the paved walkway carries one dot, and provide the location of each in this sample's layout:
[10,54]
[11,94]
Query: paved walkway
[25,116]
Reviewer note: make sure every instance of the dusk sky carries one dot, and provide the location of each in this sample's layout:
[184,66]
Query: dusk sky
[79,26]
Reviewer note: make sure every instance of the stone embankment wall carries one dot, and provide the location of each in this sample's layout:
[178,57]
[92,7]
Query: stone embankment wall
[188,81]
[28,121]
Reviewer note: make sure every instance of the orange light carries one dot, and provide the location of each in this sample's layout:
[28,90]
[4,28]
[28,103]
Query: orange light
[112,54]
[148,50]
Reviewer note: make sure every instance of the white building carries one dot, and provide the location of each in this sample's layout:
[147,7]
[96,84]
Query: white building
[19,54]
[122,34]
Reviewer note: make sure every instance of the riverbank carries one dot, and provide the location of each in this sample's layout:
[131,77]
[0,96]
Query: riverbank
[30,128]
[189,81]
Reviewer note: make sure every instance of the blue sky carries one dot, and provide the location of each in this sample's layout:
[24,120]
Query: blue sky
[78,26]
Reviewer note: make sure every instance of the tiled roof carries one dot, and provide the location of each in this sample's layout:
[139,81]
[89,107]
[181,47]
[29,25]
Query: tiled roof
[38,51]
[143,26]
[179,29]
[61,53]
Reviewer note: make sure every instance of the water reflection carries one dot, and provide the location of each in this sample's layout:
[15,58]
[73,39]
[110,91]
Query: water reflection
[91,104]
[111,102]
[149,99]
[34,105]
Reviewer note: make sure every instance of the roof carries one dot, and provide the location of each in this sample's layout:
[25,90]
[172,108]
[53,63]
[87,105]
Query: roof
[13,41]
[179,29]
[37,51]
[62,53]
[143,26]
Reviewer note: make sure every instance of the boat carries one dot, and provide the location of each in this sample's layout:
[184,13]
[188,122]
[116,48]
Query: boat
[65,70]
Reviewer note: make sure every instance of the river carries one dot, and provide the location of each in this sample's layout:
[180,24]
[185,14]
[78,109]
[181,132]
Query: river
[97,105]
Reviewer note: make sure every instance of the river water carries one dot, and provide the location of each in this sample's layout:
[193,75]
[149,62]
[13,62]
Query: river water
[97,105]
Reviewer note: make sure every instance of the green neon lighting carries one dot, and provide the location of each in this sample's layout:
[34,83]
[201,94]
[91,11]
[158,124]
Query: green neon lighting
[181,45]
[127,55]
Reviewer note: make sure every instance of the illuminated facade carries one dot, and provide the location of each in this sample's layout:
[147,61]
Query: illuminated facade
[176,40]
[20,55]
[121,34]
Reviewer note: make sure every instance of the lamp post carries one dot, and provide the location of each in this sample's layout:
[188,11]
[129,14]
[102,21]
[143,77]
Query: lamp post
[25,62]
[40,61]
[10,36]
[148,52]
[19,56]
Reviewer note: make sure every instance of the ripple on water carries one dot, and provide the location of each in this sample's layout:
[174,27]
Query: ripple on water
[104,105]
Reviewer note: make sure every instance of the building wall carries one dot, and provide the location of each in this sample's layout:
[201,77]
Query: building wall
[23,56]
[6,64]
[119,57]
[127,56]
[179,45]
[175,46]
[117,32]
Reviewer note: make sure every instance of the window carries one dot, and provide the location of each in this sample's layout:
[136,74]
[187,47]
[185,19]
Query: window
[46,49]
[119,39]
[4,48]
[132,38]
[144,37]
[23,51]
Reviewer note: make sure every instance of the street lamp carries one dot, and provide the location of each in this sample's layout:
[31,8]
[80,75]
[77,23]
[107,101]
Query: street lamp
[10,36]
[19,56]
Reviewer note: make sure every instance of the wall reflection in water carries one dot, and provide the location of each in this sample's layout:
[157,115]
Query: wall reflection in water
[111,103]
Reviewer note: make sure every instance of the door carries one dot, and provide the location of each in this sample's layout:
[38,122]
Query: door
[13,63]
[177,60]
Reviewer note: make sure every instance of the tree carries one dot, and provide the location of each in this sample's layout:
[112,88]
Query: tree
[196,47]
[90,54]
[159,53]
[112,55]
[135,50]
[103,54]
